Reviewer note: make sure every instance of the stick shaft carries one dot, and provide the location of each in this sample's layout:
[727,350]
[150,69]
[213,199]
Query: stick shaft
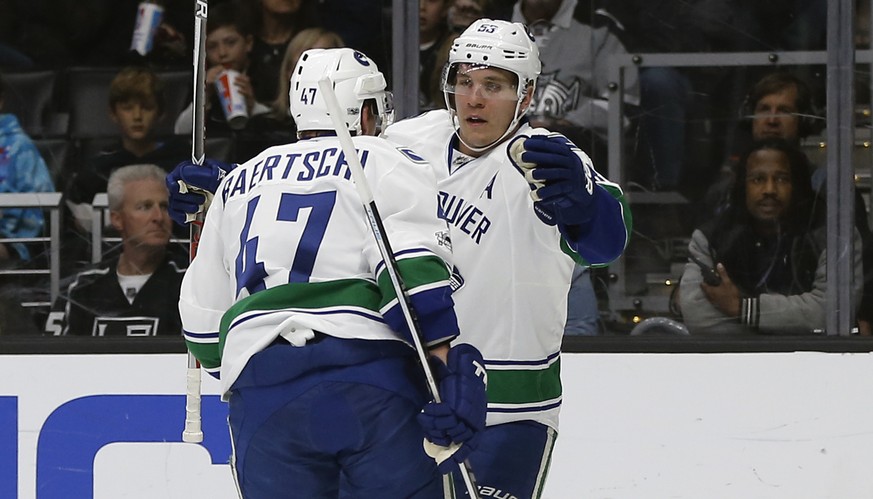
[375,221]
[366,195]
[193,431]
[198,130]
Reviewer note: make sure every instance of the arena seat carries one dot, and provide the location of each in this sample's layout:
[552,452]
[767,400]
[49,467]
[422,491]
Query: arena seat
[29,96]
[56,152]
[89,101]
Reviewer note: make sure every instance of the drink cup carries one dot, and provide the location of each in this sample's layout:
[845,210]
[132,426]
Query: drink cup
[148,18]
[232,101]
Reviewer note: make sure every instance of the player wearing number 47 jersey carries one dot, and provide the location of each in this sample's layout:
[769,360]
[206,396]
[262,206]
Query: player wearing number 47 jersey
[288,299]
[522,204]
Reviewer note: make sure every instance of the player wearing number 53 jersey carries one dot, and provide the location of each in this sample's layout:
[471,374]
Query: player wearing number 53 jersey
[521,204]
[288,299]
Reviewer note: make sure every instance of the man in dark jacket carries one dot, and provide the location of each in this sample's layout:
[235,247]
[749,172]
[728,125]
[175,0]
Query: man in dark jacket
[765,253]
[137,292]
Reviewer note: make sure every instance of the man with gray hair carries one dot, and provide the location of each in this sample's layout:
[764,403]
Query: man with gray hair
[134,293]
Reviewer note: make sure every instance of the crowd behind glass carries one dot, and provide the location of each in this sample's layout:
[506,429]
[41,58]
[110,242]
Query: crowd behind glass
[724,165]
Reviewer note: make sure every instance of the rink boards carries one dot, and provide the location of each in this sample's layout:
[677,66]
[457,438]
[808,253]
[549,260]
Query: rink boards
[772,425]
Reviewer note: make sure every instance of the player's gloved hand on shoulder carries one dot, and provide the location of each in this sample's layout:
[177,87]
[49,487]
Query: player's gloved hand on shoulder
[192,186]
[461,414]
[562,184]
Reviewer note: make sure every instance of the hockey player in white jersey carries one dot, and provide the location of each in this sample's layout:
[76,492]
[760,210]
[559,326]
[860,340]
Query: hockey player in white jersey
[522,204]
[288,301]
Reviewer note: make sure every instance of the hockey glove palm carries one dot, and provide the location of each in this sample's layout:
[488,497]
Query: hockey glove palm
[192,186]
[562,184]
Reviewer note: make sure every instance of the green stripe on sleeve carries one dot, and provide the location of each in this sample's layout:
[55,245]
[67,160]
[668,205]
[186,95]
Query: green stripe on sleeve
[207,353]
[625,208]
[415,272]
[565,247]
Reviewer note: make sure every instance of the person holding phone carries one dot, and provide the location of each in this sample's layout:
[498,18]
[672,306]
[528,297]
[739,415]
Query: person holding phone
[766,250]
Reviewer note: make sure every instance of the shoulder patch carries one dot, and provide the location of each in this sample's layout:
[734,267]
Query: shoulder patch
[412,155]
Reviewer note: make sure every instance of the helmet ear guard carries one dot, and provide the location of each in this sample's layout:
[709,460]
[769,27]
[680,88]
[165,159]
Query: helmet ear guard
[373,87]
[355,79]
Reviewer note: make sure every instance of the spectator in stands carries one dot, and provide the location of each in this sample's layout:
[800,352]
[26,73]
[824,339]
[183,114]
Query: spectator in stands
[573,91]
[433,37]
[22,169]
[277,127]
[275,23]
[137,292]
[780,105]
[309,38]
[462,13]
[767,252]
[136,102]
[229,42]
[316,37]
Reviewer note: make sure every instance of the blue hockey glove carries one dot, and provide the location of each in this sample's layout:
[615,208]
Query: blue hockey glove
[562,184]
[462,382]
[192,186]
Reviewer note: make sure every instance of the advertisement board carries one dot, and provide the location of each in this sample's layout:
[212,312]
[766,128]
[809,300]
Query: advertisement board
[776,425]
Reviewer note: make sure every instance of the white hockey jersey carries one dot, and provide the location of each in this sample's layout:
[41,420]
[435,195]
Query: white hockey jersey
[286,250]
[513,271]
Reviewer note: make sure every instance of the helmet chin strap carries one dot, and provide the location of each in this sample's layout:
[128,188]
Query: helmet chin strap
[509,129]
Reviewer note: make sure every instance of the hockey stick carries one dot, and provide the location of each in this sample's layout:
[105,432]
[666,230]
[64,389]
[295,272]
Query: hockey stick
[193,431]
[378,229]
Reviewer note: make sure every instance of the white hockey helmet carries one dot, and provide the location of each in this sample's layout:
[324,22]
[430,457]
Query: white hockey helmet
[498,44]
[355,78]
